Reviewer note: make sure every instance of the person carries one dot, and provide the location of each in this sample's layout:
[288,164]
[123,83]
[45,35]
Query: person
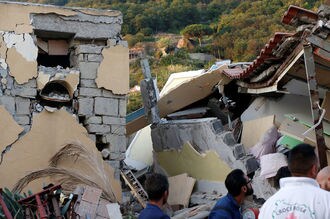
[299,196]
[156,186]
[323,178]
[239,187]
[281,173]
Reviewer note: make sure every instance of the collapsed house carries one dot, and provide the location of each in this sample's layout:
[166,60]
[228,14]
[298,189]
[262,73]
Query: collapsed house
[64,79]
[241,115]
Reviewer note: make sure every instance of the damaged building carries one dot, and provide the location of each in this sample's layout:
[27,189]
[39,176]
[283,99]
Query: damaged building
[64,78]
[244,115]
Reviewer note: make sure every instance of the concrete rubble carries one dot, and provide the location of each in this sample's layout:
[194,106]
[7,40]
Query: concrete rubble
[248,115]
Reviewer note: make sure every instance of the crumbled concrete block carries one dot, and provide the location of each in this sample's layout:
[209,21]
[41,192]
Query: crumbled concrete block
[89,92]
[22,120]
[228,138]
[105,153]
[98,129]
[238,151]
[106,106]
[93,120]
[88,83]
[86,106]
[10,82]
[24,92]
[94,58]
[118,129]
[9,103]
[88,70]
[117,143]
[122,108]
[107,93]
[113,120]
[90,48]
[22,106]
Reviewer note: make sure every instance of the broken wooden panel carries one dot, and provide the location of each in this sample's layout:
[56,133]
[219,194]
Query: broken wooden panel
[180,189]
[207,166]
[253,130]
[113,72]
[58,47]
[21,69]
[34,150]
[183,95]
[10,129]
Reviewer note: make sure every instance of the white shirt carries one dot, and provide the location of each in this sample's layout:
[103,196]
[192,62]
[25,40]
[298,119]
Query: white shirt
[298,198]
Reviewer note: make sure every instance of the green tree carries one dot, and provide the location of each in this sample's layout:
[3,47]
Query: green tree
[196,31]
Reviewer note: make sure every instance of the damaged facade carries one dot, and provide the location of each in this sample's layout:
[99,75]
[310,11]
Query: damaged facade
[64,79]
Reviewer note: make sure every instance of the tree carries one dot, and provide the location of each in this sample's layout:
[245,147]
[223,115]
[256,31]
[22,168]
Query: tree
[196,31]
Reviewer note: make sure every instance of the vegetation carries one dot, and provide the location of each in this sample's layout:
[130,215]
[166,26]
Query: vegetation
[227,29]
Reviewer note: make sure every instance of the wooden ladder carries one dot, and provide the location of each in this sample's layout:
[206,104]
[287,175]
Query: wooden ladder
[135,186]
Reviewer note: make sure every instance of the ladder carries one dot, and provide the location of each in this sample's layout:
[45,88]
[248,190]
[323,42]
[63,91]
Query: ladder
[135,186]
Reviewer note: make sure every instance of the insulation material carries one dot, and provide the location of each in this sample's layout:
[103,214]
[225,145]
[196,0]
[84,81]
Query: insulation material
[12,129]
[113,72]
[21,69]
[267,143]
[20,15]
[207,166]
[139,152]
[253,130]
[181,187]
[62,128]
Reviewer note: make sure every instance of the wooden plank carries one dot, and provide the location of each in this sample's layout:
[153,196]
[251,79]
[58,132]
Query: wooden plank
[253,130]
[180,190]
[58,47]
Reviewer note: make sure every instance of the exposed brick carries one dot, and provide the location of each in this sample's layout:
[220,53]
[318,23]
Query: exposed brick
[9,103]
[89,92]
[24,92]
[88,83]
[107,93]
[117,143]
[122,108]
[93,120]
[22,120]
[94,58]
[117,156]
[88,70]
[98,129]
[114,120]
[86,106]
[118,129]
[22,105]
[89,49]
[106,106]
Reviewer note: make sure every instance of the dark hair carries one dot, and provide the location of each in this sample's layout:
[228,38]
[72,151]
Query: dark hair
[281,173]
[155,185]
[234,182]
[301,159]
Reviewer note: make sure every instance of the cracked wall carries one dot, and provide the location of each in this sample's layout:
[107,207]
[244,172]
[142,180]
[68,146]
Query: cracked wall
[50,58]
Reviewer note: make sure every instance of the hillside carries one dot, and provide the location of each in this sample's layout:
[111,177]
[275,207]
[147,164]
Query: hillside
[239,29]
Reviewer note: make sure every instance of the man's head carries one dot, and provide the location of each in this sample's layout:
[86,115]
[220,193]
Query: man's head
[237,183]
[323,178]
[302,161]
[156,186]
